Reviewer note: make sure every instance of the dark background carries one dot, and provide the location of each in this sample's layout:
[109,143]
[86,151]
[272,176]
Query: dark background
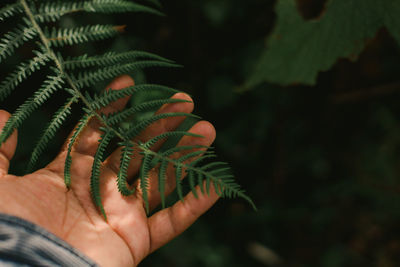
[321,163]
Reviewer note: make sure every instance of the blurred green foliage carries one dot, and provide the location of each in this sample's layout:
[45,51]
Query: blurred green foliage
[297,49]
[321,162]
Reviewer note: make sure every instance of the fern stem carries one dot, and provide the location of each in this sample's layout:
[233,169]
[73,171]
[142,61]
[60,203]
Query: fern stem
[59,64]
[224,183]
[58,61]
[74,87]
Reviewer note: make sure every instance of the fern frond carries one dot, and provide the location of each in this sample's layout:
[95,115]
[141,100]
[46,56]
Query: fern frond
[144,179]
[226,186]
[136,129]
[119,6]
[198,172]
[109,96]
[167,153]
[192,183]
[107,59]
[178,181]
[96,169]
[154,140]
[194,154]
[72,36]
[68,159]
[162,178]
[14,39]
[200,179]
[22,72]
[178,172]
[185,159]
[50,131]
[10,10]
[214,165]
[126,157]
[119,117]
[54,10]
[90,78]
[51,85]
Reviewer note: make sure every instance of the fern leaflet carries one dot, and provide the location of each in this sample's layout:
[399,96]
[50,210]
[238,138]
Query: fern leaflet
[22,72]
[10,10]
[89,78]
[162,178]
[108,59]
[72,36]
[51,85]
[126,157]
[96,170]
[53,11]
[144,179]
[50,131]
[146,106]
[68,159]
[14,39]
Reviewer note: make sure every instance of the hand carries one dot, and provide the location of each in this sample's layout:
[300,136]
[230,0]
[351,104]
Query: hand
[129,235]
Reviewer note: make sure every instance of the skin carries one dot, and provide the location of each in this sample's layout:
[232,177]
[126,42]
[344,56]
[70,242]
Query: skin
[129,235]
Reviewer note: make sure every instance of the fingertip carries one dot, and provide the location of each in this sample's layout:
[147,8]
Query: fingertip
[205,129]
[183,96]
[121,82]
[187,107]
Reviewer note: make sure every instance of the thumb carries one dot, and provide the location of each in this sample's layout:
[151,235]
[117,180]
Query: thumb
[7,149]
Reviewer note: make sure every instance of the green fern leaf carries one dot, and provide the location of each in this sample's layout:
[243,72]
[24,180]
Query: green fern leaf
[192,183]
[154,140]
[167,153]
[72,36]
[97,68]
[51,85]
[162,178]
[112,95]
[54,10]
[200,179]
[137,128]
[173,150]
[227,187]
[178,171]
[10,10]
[119,117]
[22,72]
[108,59]
[50,131]
[68,159]
[214,165]
[119,6]
[126,156]
[144,179]
[14,39]
[96,170]
[178,181]
[90,78]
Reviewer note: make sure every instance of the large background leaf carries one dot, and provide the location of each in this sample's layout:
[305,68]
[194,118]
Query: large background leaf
[298,50]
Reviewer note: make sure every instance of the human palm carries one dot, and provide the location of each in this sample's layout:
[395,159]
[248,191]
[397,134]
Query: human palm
[128,235]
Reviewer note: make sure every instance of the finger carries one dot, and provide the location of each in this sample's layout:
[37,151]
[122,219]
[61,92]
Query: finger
[203,128]
[155,129]
[7,149]
[169,223]
[88,140]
